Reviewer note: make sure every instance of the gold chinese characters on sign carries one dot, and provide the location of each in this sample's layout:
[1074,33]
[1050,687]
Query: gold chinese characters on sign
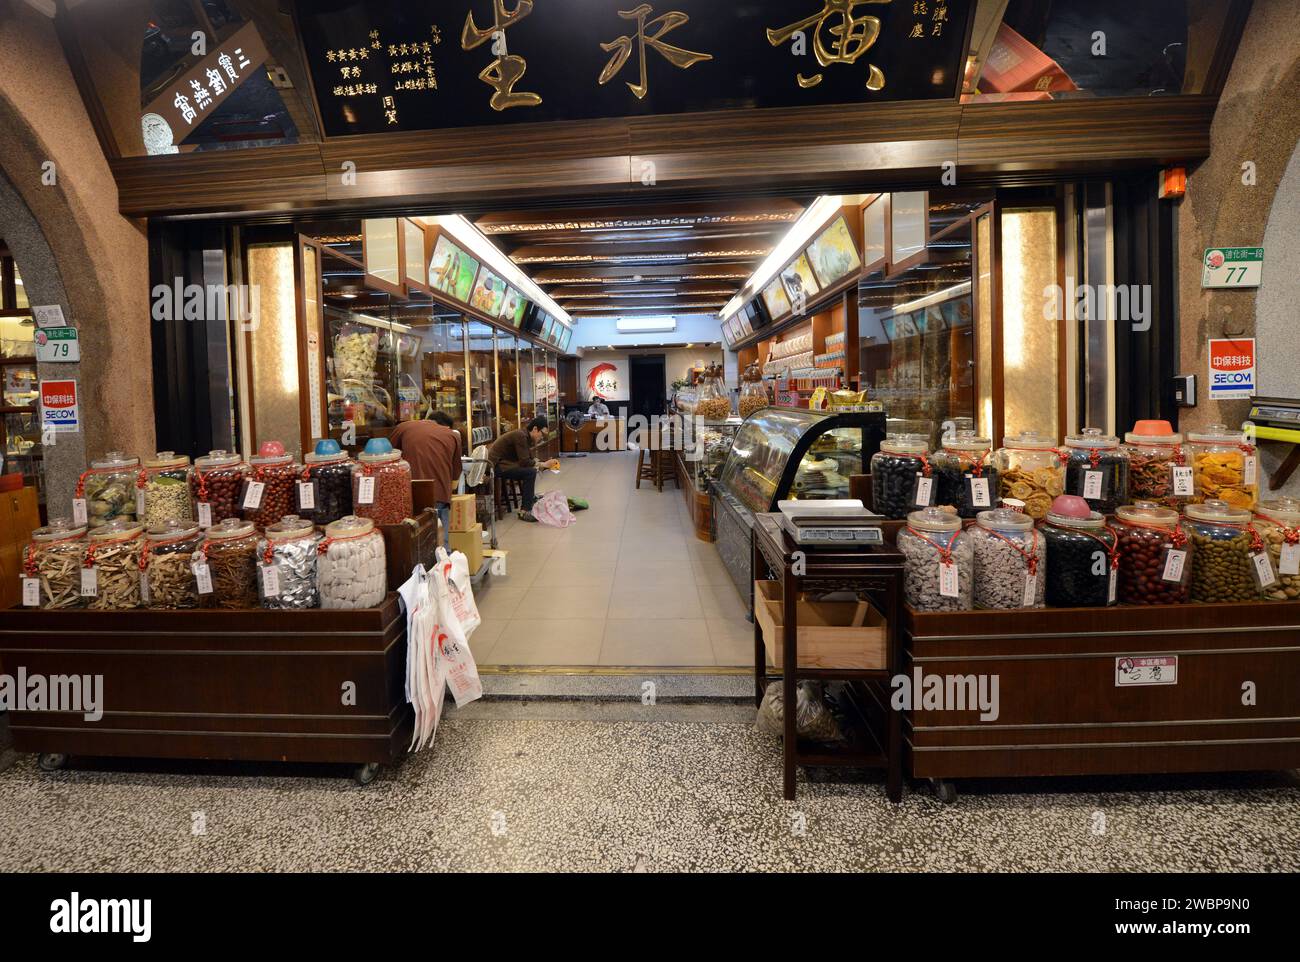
[507,69]
[622,46]
[839,35]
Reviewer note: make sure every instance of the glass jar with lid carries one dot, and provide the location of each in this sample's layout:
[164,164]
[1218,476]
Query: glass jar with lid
[231,553]
[753,393]
[107,491]
[938,561]
[713,403]
[289,550]
[1010,560]
[276,473]
[112,560]
[1096,469]
[1278,524]
[1159,471]
[1031,469]
[217,483]
[167,565]
[967,477]
[1224,467]
[53,559]
[165,481]
[1225,545]
[685,399]
[902,478]
[1082,556]
[1154,555]
[324,492]
[352,570]
[381,485]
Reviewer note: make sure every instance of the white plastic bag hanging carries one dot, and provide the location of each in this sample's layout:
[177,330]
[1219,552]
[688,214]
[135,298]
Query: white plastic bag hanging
[421,605]
[455,570]
[453,643]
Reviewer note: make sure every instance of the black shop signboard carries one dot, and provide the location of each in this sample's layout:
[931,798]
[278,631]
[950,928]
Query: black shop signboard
[433,64]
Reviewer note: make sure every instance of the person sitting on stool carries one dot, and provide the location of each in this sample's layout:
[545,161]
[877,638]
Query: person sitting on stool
[512,457]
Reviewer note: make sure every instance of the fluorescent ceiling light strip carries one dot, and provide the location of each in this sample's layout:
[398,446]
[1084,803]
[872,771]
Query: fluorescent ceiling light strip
[938,297]
[471,237]
[796,238]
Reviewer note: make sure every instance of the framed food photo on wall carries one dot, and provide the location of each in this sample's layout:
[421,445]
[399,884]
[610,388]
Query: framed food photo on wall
[800,284]
[451,270]
[833,255]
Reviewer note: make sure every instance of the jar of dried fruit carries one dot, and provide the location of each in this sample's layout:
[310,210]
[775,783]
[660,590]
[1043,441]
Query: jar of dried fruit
[968,480]
[216,483]
[381,485]
[1031,469]
[1096,469]
[1224,466]
[939,563]
[165,483]
[1159,471]
[753,393]
[167,565]
[53,558]
[107,491]
[111,565]
[231,553]
[1278,524]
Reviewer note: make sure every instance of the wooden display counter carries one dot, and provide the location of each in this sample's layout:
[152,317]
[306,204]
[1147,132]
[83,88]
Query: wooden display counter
[255,685]
[1063,712]
[699,503]
[583,439]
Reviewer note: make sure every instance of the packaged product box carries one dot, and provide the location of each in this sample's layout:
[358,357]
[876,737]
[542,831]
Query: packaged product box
[469,543]
[498,557]
[463,512]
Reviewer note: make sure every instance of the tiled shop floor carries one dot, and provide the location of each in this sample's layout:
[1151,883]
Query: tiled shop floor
[628,585]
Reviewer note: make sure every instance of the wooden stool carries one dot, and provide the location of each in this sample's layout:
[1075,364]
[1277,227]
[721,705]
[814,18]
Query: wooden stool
[667,469]
[509,495]
[647,468]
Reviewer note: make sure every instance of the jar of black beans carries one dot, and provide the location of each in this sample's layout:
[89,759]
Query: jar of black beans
[1097,470]
[902,478]
[1081,561]
[325,491]
[966,477]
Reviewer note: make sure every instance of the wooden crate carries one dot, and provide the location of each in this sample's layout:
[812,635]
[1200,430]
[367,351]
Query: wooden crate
[827,637]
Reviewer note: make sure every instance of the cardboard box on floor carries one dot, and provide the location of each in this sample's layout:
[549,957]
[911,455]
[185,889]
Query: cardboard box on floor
[464,512]
[470,544]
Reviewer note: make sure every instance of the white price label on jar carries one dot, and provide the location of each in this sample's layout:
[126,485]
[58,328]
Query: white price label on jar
[980,496]
[1175,562]
[144,588]
[1263,568]
[32,592]
[89,582]
[1092,482]
[270,581]
[253,495]
[1112,588]
[139,504]
[366,491]
[1251,471]
[923,488]
[306,496]
[79,510]
[1288,561]
[1182,482]
[1031,591]
[949,580]
[203,577]
[205,515]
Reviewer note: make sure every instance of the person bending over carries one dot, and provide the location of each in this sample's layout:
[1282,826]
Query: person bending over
[432,448]
[512,457]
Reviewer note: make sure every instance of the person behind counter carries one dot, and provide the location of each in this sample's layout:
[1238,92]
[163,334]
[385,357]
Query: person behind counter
[598,409]
[432,449]
[512,457]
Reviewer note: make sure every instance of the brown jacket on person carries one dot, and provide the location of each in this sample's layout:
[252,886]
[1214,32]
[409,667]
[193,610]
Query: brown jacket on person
[512,450]
[433,451]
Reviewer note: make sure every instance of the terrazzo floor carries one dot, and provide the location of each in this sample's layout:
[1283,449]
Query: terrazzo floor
[628,585]
[581,790]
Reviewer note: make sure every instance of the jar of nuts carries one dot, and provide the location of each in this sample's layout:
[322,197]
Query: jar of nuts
[269,493]
[231,552]
[902,478]
[324,491]
[167,565]
[753,393]
[1096,469]
[1010,560]
[1154,555]
[712,402]
[1224,466]
[165,481]
[1159,471]
[1225,549]
[1031,469]
[381,485]
[967,479]
[111,566]
[54,558]
[1278,524]
[216,483]
[939,562]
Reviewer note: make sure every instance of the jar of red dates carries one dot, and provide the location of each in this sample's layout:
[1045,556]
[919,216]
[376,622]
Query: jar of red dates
[381,485]
[277,474]
[217,482]
[1155,564]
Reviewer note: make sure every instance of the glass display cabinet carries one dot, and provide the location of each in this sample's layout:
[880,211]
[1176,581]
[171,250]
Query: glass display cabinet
[715,439]
[782,454]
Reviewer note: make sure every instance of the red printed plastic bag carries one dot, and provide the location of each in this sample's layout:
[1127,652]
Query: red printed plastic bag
[552,509]
[458,661]
[460,590]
